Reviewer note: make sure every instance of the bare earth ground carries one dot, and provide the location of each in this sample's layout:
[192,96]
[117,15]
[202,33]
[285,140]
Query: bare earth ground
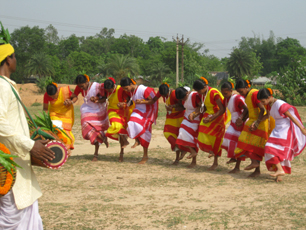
[112,195]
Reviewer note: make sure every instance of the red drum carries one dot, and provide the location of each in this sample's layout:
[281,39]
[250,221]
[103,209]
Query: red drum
[61,155]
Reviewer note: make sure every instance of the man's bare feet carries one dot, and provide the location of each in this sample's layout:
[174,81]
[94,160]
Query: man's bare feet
[278,173]
[253,165]
[192,155]
[143,161]
[232,160]
[95,158]
[235,170]
[254,174]
[135,144]
[213,167]
[176,162]
[183,153]
[192,165]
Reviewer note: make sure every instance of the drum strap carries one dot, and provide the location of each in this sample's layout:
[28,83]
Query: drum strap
[38,130]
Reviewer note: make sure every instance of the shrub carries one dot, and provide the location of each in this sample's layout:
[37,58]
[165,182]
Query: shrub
[292,85]
[42,84]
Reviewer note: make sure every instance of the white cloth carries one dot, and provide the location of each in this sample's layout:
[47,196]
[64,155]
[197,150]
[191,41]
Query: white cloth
[14,134]
[13,219]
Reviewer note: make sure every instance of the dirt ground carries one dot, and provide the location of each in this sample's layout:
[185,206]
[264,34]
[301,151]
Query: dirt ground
[112,195]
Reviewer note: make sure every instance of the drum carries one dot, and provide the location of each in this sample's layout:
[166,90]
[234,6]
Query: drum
[61,155]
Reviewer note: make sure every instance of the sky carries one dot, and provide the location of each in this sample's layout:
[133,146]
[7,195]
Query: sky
[218,24]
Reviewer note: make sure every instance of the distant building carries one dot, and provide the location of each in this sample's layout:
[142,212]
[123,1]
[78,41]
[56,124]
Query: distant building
[142,80]
[262,80]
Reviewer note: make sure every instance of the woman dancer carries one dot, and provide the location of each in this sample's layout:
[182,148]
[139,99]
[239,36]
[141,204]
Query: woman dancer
[174,117]
[252,140]
[236,105]
[57,100]
[118,117]
[143,116]
[287,139]
[94,118]
[212,125]
[188,132]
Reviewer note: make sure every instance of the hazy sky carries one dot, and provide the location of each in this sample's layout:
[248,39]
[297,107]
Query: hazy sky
[219,24]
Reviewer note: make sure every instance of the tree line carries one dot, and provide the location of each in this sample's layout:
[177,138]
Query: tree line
[41,52]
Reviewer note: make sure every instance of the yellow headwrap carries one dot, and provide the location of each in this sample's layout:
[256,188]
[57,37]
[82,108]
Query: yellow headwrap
[5,51]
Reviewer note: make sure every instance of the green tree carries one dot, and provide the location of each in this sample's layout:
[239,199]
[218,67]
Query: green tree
[158,72]
[66,46]
[242,63]
[40,65]
[120,66]
[292,85]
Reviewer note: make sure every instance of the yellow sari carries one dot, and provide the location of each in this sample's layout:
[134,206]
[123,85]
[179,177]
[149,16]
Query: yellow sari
[58,111]
[252,144]
[118,118]
[211,134]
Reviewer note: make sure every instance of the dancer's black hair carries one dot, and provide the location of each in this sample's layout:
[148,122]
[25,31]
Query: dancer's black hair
[180,93]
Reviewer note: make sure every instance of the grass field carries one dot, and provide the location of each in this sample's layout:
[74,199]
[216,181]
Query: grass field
[112,195]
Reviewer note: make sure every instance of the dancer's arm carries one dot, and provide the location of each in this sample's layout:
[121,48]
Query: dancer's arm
[243,117]
[288,114]
[150,101]
[217,114]
[261,117]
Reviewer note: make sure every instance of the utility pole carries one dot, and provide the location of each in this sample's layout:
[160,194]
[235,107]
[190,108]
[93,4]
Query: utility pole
[182,44]
[177,59]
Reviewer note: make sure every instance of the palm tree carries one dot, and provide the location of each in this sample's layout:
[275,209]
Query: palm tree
[120,66]
[240,63]
[39,64]
[159,71]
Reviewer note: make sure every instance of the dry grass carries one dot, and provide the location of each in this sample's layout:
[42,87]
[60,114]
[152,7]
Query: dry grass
[111,195]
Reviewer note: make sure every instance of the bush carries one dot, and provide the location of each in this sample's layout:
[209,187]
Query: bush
[42,84]
[292,85]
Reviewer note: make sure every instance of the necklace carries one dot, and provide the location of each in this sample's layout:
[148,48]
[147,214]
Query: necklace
[131,99]
[203,101]
[274,100]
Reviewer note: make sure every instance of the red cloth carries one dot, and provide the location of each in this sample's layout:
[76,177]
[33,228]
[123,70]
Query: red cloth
[255,101]
[78,90]
[47,98]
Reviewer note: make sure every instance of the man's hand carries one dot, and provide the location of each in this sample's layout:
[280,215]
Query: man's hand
[41,152]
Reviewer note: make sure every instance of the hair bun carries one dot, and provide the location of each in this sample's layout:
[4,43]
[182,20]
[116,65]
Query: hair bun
[112,79]
[133,81]
[233,86]
[204,79]
[53,83]
[270,90]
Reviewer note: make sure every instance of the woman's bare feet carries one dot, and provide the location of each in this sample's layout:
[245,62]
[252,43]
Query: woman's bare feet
[253,165]
[213,167]
[278,173]
[211,154]
[279,179]
[143,161]
[176,162]
[192,155]
[106,142]
[183,153]
[192,165]
[95,158]
[235,170]
[121,157]
[254,174]
[232,160]
[135,144]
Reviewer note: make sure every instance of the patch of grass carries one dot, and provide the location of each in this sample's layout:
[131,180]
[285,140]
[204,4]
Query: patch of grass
[36,104]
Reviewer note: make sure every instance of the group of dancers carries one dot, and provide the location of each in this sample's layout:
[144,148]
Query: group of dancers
[260,125]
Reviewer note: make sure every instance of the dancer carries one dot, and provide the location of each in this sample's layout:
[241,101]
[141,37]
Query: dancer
[118,117]
[252,140]
[94,118]
[287,139]
[188,132]
[236,105]
[57,100]
[174,117]
[143,116]
[212,125]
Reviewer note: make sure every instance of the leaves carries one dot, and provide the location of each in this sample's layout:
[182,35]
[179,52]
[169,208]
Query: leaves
[5,35]
[7,163]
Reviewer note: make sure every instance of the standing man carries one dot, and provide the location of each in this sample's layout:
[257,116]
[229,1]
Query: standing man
[19,207]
